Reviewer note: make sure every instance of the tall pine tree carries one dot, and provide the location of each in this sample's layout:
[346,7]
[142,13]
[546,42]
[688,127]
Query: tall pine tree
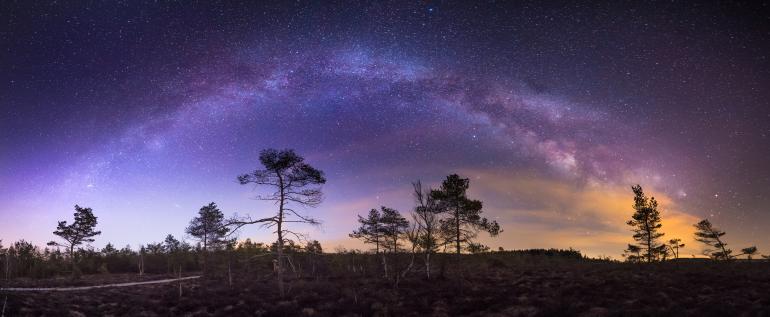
[464,219]
[370,230]
[393,227]
[209,229]
[646,224]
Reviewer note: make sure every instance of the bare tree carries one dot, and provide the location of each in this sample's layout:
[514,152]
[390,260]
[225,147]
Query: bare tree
[412,234]
[292,181]
[711,236]
[79,231]
[427,217]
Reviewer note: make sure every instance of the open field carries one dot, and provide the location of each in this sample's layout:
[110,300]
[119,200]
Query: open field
[488,285]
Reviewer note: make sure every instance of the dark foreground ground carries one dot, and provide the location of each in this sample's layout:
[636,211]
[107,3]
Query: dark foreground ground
[542,289]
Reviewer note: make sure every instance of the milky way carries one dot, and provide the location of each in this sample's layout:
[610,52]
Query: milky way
[147,111]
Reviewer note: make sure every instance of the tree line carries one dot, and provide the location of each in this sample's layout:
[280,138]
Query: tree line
[646,224]
[444,217]
[444,223]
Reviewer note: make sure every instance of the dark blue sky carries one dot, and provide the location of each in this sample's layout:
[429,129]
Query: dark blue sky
[147,111]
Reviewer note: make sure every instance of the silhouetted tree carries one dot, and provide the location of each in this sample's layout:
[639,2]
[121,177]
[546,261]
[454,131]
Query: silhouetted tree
[313,250]
[664,253]
[370,230]
[428,220]
[156,248]
[314,247]
[393,227]
[248,246]
[4,254]
[412,234]
[79,231]
[293,181]
[711,236]
[110,254]
[674,245]
[209,229]
[109,249]
[646,223]
[749,252]
[172,247]
[464,219]
[476,248]
[171,244]
[633,253]
[24,256]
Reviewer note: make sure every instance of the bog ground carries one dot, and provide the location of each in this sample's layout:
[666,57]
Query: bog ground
[486,286]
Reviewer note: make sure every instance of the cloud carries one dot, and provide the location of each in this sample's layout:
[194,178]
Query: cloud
[541,212]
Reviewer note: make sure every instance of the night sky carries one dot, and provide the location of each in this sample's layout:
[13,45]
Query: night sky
[147,111]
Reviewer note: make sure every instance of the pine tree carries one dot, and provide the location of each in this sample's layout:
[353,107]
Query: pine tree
[749,252]
[293,182]
[633,253]
[464,219]
[712,237]
[675,245]
[314,247]
[393,227]
[209,228]
[646,224]
[370,230]
[79,231]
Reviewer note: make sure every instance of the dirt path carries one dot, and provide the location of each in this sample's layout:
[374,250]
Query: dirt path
[84,288]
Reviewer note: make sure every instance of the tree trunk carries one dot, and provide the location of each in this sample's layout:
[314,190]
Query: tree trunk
[385,265]
[72,260]
[7,265]
[141,264]
[457,228]
[649,237]
[205,253]
[281,289]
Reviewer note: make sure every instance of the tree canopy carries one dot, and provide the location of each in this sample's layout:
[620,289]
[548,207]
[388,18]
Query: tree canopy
[464,219]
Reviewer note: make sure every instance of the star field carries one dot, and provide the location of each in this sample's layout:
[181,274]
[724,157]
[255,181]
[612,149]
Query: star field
[145,111]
